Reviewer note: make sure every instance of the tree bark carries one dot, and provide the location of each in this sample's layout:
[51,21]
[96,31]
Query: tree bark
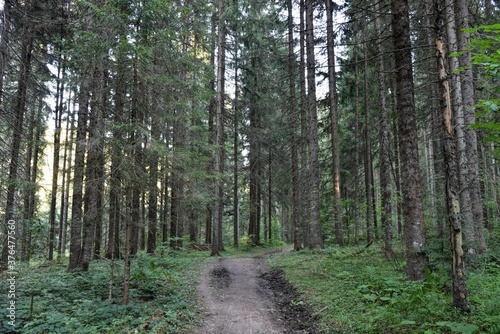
[56,154]
[31,168]
[15,148]
[368,149]
[458,109]
[385,163]
[304,130]
[471,150]
[75,256]
[94,167]
[219,140]
[293,129]
[459,291]
[357,144]
[236,155]
[66,170]
[410,174]
[315,238]
[153,191]
[332,90]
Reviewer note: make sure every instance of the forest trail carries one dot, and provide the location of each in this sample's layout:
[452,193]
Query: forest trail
[242,296]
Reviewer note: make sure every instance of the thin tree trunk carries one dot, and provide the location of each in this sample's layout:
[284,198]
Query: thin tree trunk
[31,167]
[255,153]
[116,152]
[211,129]
[66,171]
[128,236]
[315,238]
[357,145]
[166,185]
[269,231]
[142,222]
[332,89]
[135,181]
[236,208]
[56,155]
[100,160]
[293,130]
[153,192]
[219,140]
[304,130]
[385,163]
[368,151]
[397,168]
[91,195]
[75,256]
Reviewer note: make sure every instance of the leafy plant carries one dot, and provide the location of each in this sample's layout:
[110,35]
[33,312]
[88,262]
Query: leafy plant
[162,297]
[358,291]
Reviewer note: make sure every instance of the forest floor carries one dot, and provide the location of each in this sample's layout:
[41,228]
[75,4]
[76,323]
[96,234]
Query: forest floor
[244,296]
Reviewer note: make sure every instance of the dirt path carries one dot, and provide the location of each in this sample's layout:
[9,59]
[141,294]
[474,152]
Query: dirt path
[241,296]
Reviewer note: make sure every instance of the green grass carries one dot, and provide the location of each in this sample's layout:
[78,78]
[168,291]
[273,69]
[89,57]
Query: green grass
[356,290]
[351,289]
[162,296]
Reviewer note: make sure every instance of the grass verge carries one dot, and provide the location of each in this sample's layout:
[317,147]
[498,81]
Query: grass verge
[356,290]
[162,296]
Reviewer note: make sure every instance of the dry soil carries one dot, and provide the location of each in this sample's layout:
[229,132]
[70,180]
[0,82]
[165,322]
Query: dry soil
[242,296]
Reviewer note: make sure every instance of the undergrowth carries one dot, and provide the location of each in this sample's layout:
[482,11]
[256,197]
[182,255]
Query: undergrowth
[162,296]
[356,290]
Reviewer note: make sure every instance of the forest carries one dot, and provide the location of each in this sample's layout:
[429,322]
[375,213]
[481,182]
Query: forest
[353,145]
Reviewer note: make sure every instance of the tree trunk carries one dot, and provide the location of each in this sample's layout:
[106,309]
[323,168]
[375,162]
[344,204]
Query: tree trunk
[255,137]
[75,249]
[410,174]
[293,130]
[128,236]
[56,155]
[269,232]
[116,152]
[102,105]
[236,208]
[211,124]
[304,130]
[332,89]
[385,163]
[471,150]
[397,165]
[219,140]
[4,44]
[459,291]
[135,156]
[91,197]
[435,143]
[17,135]
[357,144]
[31,169]
[153,191]
[368,149]
[65,183]
[315,238]
[458,108]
